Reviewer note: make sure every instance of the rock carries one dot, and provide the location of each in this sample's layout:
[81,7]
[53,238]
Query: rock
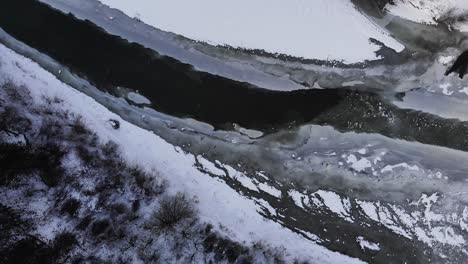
[460,66]
[115,124]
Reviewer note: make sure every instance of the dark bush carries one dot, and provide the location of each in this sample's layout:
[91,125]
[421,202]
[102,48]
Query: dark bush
[142,180]
[64,242]
[70,207]
[51,128]
[150,184]
[140,177]
[15,160]
[12,226]
[99,227]
[297,261]
[11,121]
[110,150]
[136,206]
[119,208]
[93,140]
[86,155]
[234,251]
[210,242]
[208,228]
[172,210]
[79,128]
[29,251]
[224,249]
[51,176]
[245,259]
[84,223]
[78,260]
[50,162]
[53,100]
[17,93]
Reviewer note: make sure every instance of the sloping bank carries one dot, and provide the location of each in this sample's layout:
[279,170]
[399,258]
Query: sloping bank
[218,204]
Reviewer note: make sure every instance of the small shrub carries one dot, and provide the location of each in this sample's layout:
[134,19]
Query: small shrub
[245,259]
[17,93]
[29,250]
[93,140]
[152,185]
[51,176]
[15,161]
[136,206]
[79,128]
[210,242]
[13,121]
[79,259]
[70,207]
[84,223]
[53,100]
[64,242]
[110,150]
[297,261]
[51,128]
[11,225]
[49,160]
[119,208]
[224,249]
[140,177]
[86,155]
[99,227]
[172,210]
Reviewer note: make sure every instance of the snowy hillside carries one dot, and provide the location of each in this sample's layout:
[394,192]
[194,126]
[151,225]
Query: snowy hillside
[226,211]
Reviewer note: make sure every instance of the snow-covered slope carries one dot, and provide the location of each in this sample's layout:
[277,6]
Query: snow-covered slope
[218,203]
[314,29]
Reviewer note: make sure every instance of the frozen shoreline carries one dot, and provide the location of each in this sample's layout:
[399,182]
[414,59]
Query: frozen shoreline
[307,29]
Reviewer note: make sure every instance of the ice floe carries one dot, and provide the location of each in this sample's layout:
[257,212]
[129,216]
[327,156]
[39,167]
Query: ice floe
[309,29]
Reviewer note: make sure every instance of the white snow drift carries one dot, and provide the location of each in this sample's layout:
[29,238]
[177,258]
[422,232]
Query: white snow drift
[312,29]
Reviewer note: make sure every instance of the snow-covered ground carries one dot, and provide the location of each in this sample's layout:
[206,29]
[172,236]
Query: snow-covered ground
[314,29]
[218,203]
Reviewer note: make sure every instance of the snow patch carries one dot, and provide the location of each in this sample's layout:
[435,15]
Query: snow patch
[445,88]
[464,90]
[270,190]
[390,168]
[358,165]
[366,244]
[336,204]
[445,59]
